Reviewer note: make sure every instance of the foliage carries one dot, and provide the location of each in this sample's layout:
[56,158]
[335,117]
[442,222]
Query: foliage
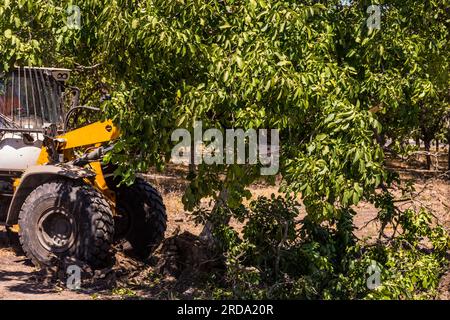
[280,255]
[310,69]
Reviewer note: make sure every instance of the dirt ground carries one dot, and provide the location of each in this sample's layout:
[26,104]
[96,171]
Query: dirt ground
[20,281]
[134,280]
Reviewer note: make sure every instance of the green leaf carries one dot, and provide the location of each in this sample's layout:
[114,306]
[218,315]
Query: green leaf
[8,33]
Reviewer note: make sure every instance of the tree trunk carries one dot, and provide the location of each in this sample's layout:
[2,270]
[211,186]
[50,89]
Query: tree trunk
[207,233]
[437,145]
[428,156]
[191,162]
[448,158]
[448,146]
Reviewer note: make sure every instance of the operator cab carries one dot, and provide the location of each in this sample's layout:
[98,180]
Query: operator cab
[29,99]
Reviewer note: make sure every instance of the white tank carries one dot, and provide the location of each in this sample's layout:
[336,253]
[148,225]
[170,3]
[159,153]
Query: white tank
[15,154]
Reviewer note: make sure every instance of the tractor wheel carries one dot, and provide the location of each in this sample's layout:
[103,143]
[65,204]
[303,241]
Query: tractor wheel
[141,219]
[66,219]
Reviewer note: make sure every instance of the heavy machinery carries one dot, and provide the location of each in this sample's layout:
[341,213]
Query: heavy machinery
[57,196]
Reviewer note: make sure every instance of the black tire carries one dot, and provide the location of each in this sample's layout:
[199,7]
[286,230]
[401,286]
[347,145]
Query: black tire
[142,218]
[66,219]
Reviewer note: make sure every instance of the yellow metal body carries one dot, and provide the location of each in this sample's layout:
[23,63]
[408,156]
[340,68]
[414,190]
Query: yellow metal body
[92,135]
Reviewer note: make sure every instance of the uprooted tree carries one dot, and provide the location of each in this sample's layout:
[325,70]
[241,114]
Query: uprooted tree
[334,88]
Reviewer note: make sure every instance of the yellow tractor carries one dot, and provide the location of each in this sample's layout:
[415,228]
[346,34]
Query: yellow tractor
[57,196]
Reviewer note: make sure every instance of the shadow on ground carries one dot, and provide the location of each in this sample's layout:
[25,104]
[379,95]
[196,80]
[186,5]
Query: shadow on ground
[179,268]
[19,279]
